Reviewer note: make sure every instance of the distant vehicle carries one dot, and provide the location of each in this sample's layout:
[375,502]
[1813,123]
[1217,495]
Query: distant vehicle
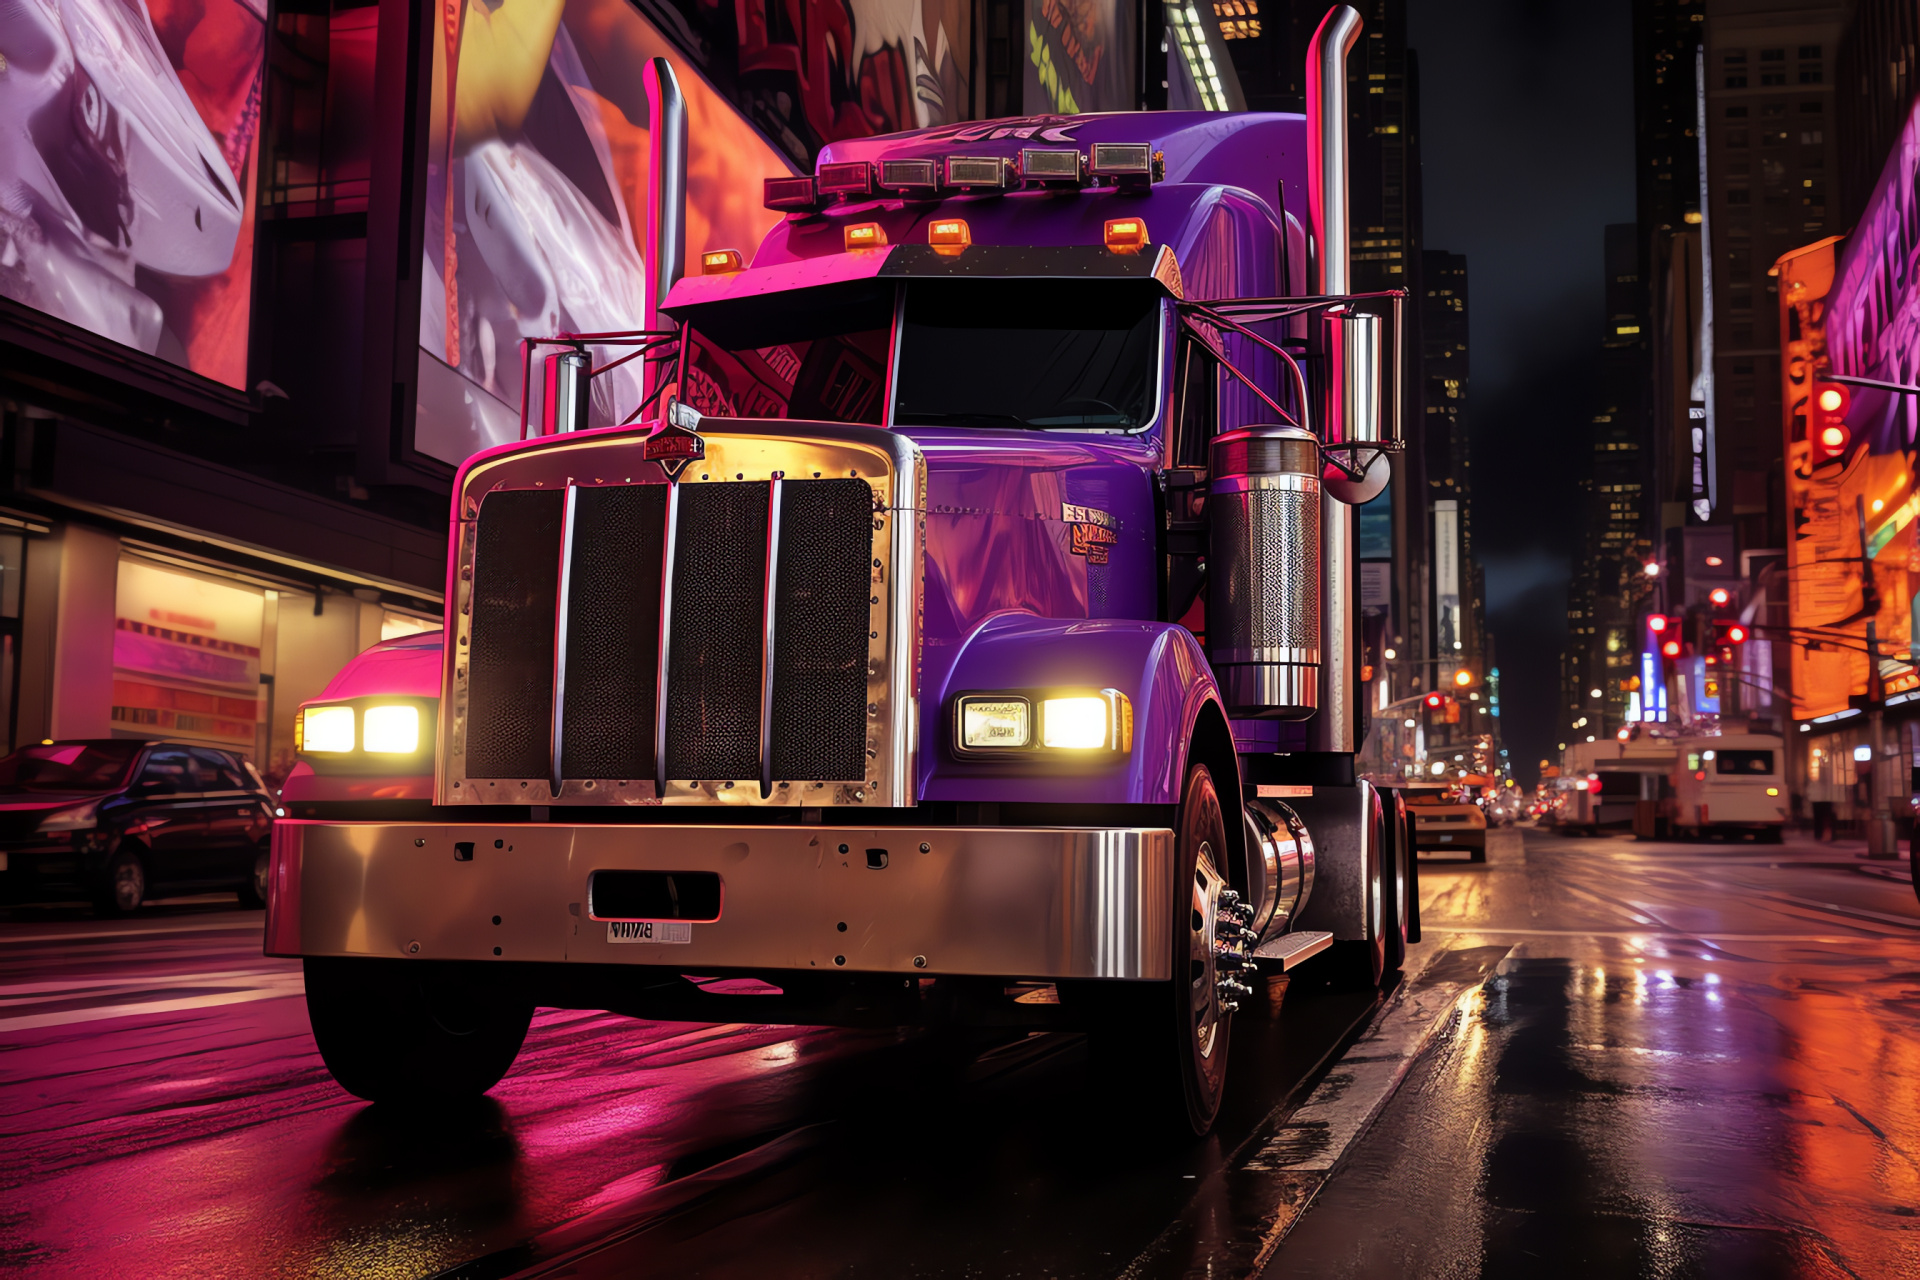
[1729,783]
[1603,784]
[1444,818]
[120,822]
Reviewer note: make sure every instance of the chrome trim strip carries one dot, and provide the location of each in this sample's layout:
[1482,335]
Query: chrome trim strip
[560,602]
[768,609]
[666,639]
[1045,903]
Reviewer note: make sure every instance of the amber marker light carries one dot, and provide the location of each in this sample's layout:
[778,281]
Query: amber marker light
[865,235]
[1126,235]
[720,262]
[1463,677]
[949,236]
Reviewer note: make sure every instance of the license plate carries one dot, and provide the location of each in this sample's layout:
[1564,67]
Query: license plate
[1447,838]
[657,931]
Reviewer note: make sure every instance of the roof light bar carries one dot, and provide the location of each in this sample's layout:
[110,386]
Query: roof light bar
[864,235]
[949,236]
[720,262]
[978,172]
[791,195]
[847,180]
[910,177]
[1131,166]
[1051,167]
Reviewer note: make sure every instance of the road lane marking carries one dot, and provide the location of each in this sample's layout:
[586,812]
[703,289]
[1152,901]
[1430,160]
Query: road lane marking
[257,926]
[18,993]
[1858,913]
[68,1016]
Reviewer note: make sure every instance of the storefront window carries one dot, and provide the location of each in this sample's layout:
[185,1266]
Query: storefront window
[186,657]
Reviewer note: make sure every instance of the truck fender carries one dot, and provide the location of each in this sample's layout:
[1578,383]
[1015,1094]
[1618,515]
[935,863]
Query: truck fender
[1159,666]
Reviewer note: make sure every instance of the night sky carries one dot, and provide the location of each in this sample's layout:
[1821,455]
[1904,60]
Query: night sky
[1526,110]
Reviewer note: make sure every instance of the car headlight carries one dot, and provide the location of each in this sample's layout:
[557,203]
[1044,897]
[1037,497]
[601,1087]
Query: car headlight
[1101,721]
[391,730]
[323,729]
[81,817]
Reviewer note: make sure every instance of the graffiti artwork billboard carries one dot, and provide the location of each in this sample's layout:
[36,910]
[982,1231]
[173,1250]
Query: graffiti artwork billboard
[537,169]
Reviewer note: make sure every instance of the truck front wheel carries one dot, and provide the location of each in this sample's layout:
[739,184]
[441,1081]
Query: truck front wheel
[411,1031]
[1162,1046]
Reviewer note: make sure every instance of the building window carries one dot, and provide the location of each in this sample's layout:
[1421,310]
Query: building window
[1739,195]
[1813,108]
[1773,77]
[1736,113]
[1736,137]
[1773,55]
[1809,51]
[1736,82]
[1809,75]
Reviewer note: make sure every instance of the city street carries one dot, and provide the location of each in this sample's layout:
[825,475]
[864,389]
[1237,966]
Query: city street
[1613,1059]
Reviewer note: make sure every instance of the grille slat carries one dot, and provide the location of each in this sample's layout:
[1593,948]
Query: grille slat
[713,659]
[613,632]
[516,579]
[819,696]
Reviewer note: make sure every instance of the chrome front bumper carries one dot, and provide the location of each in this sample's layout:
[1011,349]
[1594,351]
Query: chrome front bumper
[1043,903]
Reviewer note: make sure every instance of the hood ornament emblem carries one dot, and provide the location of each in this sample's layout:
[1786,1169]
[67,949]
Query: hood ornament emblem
[676,442]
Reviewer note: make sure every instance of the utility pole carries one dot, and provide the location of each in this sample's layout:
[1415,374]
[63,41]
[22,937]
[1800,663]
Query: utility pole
[1881,840]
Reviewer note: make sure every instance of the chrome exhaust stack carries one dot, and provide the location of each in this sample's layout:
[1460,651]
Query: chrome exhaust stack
[1333,729]
[666,247]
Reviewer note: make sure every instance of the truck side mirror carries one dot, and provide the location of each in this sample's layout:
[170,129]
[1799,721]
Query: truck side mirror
[1353,424]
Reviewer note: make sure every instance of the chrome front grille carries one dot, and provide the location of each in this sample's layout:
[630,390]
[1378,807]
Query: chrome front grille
[738,637]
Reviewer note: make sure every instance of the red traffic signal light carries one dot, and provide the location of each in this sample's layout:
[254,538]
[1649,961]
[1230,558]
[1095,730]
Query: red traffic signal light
[1657,623]
[1671,648]
[1827,420]
[1719,596]
[1435,701]
[1729,633]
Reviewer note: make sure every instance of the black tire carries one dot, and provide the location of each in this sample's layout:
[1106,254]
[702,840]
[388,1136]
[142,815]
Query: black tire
[416,1033]
[1362,963]
[1397,882]
[1161,1048]
[253,893]
[1477,855]
[124,886]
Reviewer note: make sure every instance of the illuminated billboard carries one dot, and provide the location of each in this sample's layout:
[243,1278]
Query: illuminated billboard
[1853,555]
[128,133]
[543,131]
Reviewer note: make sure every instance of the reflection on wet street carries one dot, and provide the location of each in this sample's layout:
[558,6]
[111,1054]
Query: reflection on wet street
[1619,1059]
[1697,1060]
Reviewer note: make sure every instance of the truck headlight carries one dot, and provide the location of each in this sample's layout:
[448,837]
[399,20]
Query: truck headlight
[987,723]
[323,729]
[1068,721]
[390,730]
[1077,724]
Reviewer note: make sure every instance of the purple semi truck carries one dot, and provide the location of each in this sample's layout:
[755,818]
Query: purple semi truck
[963,630]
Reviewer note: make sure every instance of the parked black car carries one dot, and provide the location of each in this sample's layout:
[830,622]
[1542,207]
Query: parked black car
[120,822]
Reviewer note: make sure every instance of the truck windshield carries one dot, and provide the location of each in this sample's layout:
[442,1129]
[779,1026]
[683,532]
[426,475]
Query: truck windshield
[824,362]
[1027,353]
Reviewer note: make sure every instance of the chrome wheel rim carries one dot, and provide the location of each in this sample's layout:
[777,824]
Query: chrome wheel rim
[1203,990]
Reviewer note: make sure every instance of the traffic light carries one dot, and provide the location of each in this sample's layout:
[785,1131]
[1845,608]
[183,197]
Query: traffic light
[1827,433]
[1435,701]
[1658,623]
[1671,648]
[1719,596]
[1463,677]
[1728,633]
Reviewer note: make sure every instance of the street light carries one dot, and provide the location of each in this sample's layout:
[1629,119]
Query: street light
[1593,693]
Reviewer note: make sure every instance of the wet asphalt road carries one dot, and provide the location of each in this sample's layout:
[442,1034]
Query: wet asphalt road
[1696,1060]
[1683,1060]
